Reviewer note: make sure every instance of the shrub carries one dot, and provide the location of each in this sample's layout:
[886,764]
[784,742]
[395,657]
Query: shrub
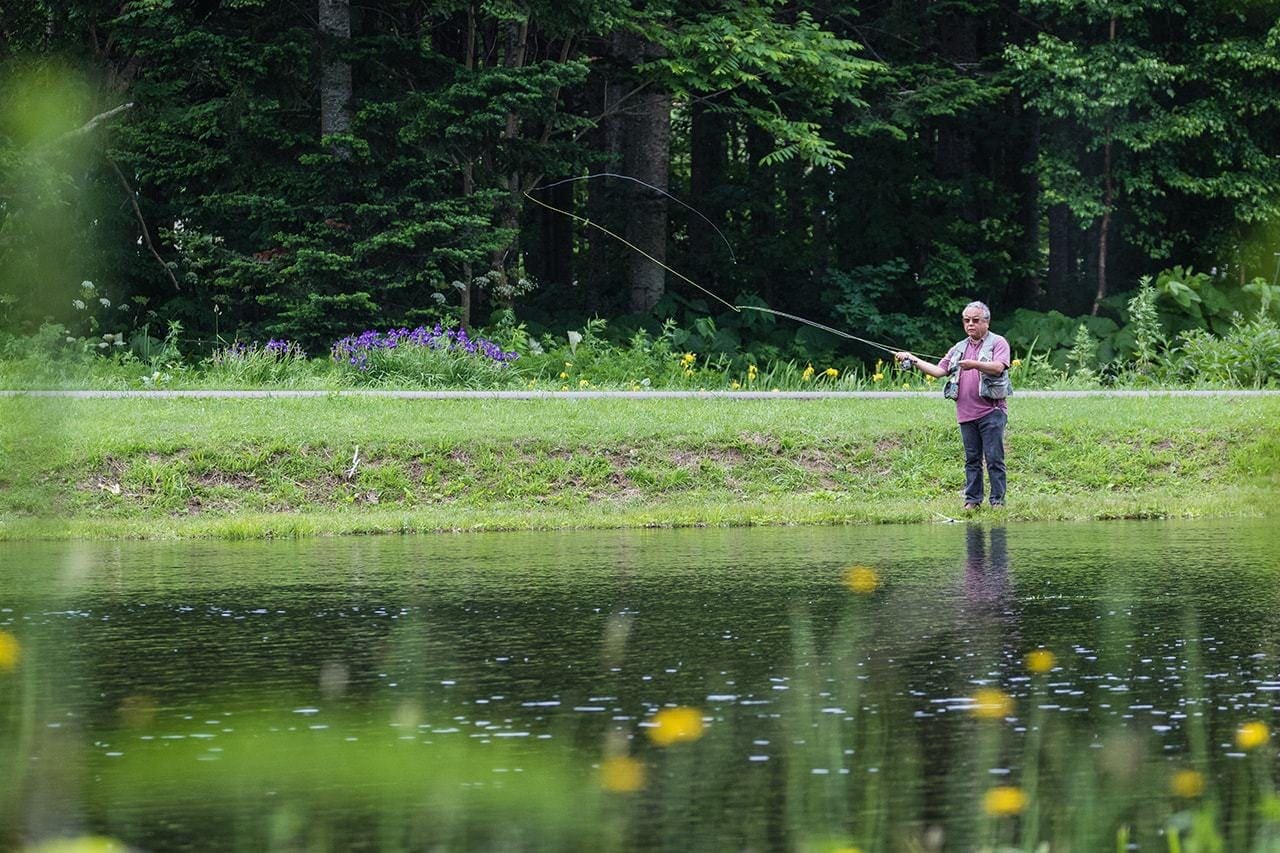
[242,364]
[426,358]
[1248,355]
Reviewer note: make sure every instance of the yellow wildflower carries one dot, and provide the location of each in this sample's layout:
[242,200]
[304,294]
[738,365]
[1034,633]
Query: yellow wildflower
[808,374]
[564,387]
[752,372]
[991,703]
[906,386]
[688,358]
[1040,661]
[1004,801]
[861,579]
[831,373]
[1252,735]
[568,364]
[735,385]
[1187,784]
[877,377]
[688,372]
[532,382]
[10,651]
[621,775]
[564,375]
[681,724]
[582,383]
[1017,362]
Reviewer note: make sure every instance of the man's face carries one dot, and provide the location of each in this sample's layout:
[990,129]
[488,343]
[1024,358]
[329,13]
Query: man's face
[975,325]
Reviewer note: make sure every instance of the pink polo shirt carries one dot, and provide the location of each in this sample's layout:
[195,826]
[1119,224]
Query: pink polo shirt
[969,406]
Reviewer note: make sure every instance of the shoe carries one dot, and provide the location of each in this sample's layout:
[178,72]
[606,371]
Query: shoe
[971,507]
[997,504]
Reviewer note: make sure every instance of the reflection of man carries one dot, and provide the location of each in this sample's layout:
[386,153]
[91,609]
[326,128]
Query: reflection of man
[986,575]
[980,365]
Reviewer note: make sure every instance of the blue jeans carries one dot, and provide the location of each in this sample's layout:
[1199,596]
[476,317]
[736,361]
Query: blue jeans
[984,438]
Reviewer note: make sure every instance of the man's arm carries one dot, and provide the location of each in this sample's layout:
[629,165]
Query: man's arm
[991,368]
[925,367]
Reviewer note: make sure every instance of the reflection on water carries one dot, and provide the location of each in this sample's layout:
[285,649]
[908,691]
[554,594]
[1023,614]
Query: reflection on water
[718,688]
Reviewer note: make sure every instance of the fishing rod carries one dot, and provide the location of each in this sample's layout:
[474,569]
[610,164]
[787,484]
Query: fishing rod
[736,308]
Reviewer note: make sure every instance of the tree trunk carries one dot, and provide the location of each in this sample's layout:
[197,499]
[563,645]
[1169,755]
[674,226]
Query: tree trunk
[605,202]
[1108,192]
[335,74]
[468,183]
[550,256]
[1104,227]
[708,153]
[1062,259]
[647,156]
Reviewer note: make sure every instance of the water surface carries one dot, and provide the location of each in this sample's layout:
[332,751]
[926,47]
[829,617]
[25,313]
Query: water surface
[467,690]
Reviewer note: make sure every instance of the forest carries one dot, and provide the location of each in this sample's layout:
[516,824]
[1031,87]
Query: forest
[253,169]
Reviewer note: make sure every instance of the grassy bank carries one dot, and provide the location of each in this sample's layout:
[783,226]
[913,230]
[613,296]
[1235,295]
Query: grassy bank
[253,468]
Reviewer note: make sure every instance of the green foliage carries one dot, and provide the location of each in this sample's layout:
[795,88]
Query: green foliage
[748,53]
[1248,355]
[1144,322]
[1083,357]
[1055,334]
[250,365]
[862,294]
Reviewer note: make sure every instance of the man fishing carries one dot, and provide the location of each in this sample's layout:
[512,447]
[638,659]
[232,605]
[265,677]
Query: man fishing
[977,371]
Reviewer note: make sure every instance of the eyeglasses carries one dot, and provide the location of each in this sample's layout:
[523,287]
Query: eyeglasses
[974,319]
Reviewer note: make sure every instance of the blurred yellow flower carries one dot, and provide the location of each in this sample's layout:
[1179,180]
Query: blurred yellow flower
[621,774]
[861,579]
[564,387]
[1187,784]
[568,364]
[582,383]
[1017,362]
[1004,801]
[688,358]
[688,372]
[807,375]
[735,385]
[564,375]
[991,703]
[1040,661]
[532,382]
[906,386]
[83,844]
[681,724]
[1252,735]
[752,372]
[831,373]
[877,377]
[10,651]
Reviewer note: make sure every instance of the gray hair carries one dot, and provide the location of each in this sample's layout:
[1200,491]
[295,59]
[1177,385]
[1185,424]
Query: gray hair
[986,312]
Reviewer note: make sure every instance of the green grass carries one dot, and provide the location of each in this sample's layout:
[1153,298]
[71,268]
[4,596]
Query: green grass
[289,467]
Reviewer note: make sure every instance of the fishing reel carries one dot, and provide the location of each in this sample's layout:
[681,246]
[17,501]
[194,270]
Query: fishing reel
[907,363]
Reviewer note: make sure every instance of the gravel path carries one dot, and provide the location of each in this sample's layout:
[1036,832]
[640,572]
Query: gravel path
[579,395]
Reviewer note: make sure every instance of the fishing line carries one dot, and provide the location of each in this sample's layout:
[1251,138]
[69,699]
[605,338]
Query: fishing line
[737,308]
[676,199]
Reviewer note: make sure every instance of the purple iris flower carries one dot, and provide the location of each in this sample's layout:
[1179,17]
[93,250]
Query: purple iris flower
[355,349]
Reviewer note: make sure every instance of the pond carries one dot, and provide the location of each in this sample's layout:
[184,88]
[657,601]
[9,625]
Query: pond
[777,688]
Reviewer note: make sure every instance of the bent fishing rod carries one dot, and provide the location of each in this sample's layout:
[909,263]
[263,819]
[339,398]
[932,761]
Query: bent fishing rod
[736,308]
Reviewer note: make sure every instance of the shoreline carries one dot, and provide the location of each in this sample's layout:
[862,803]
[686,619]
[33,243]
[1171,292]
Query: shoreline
[183,468]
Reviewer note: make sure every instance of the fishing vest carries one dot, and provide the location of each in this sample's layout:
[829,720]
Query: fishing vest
[989,387]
